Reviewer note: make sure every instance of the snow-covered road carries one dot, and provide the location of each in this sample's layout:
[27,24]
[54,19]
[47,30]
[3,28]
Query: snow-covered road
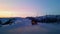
[24,27]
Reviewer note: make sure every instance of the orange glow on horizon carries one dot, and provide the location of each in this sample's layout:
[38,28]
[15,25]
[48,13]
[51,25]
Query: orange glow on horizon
[5,14]
[14,14]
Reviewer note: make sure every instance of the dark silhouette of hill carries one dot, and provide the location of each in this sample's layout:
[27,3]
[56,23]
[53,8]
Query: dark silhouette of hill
[46,19]
[10,21]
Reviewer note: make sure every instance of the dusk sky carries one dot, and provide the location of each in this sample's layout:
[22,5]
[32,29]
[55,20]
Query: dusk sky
[24,8]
